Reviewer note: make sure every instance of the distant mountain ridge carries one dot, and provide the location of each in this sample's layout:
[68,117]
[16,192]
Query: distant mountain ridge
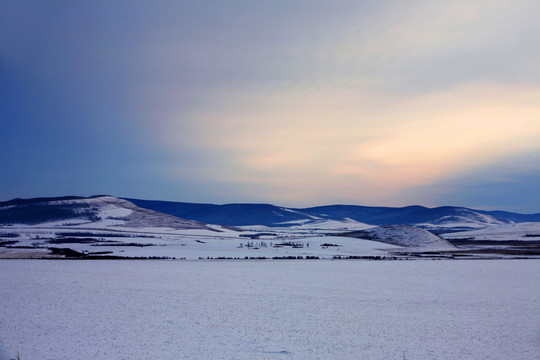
[38,210]
[272,215]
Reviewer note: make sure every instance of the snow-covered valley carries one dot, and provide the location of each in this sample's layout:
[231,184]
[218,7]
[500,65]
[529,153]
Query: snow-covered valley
[108,227]
[214,242]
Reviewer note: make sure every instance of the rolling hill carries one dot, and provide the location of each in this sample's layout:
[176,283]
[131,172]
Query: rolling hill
[98,210]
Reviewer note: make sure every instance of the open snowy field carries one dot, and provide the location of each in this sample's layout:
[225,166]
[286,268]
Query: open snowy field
[63,309]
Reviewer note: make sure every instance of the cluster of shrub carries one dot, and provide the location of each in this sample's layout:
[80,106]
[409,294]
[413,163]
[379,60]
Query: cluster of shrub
[101,234]
[10,235]
[261,258]
[127,244]
[254,245]
[73,241]
[257,235]
[7,243]
[73,254]
[262,244]
[293,244]
[355,257]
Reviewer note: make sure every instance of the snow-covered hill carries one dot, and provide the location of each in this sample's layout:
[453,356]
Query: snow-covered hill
[94,212]
[405,236]
[462,218]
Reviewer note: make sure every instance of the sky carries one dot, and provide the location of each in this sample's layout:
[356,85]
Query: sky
[295,103]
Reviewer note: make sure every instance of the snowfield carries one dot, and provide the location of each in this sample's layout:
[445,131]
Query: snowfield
[64,309]
[504,232]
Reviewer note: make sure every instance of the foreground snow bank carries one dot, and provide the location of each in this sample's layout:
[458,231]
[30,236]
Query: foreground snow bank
[270,309]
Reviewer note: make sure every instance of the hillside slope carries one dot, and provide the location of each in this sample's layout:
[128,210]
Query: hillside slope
[96,210]
[405,236]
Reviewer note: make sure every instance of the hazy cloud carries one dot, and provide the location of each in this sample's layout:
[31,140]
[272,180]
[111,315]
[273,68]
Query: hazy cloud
[296,102]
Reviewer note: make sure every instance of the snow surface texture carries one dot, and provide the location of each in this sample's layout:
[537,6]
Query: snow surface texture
[270,310]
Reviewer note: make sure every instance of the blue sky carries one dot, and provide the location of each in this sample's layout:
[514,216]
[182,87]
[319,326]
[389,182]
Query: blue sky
[297,103]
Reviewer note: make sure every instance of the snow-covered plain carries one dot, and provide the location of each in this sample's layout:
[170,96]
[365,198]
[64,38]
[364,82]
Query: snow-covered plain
[194,244]
[52,309]
[516,231]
